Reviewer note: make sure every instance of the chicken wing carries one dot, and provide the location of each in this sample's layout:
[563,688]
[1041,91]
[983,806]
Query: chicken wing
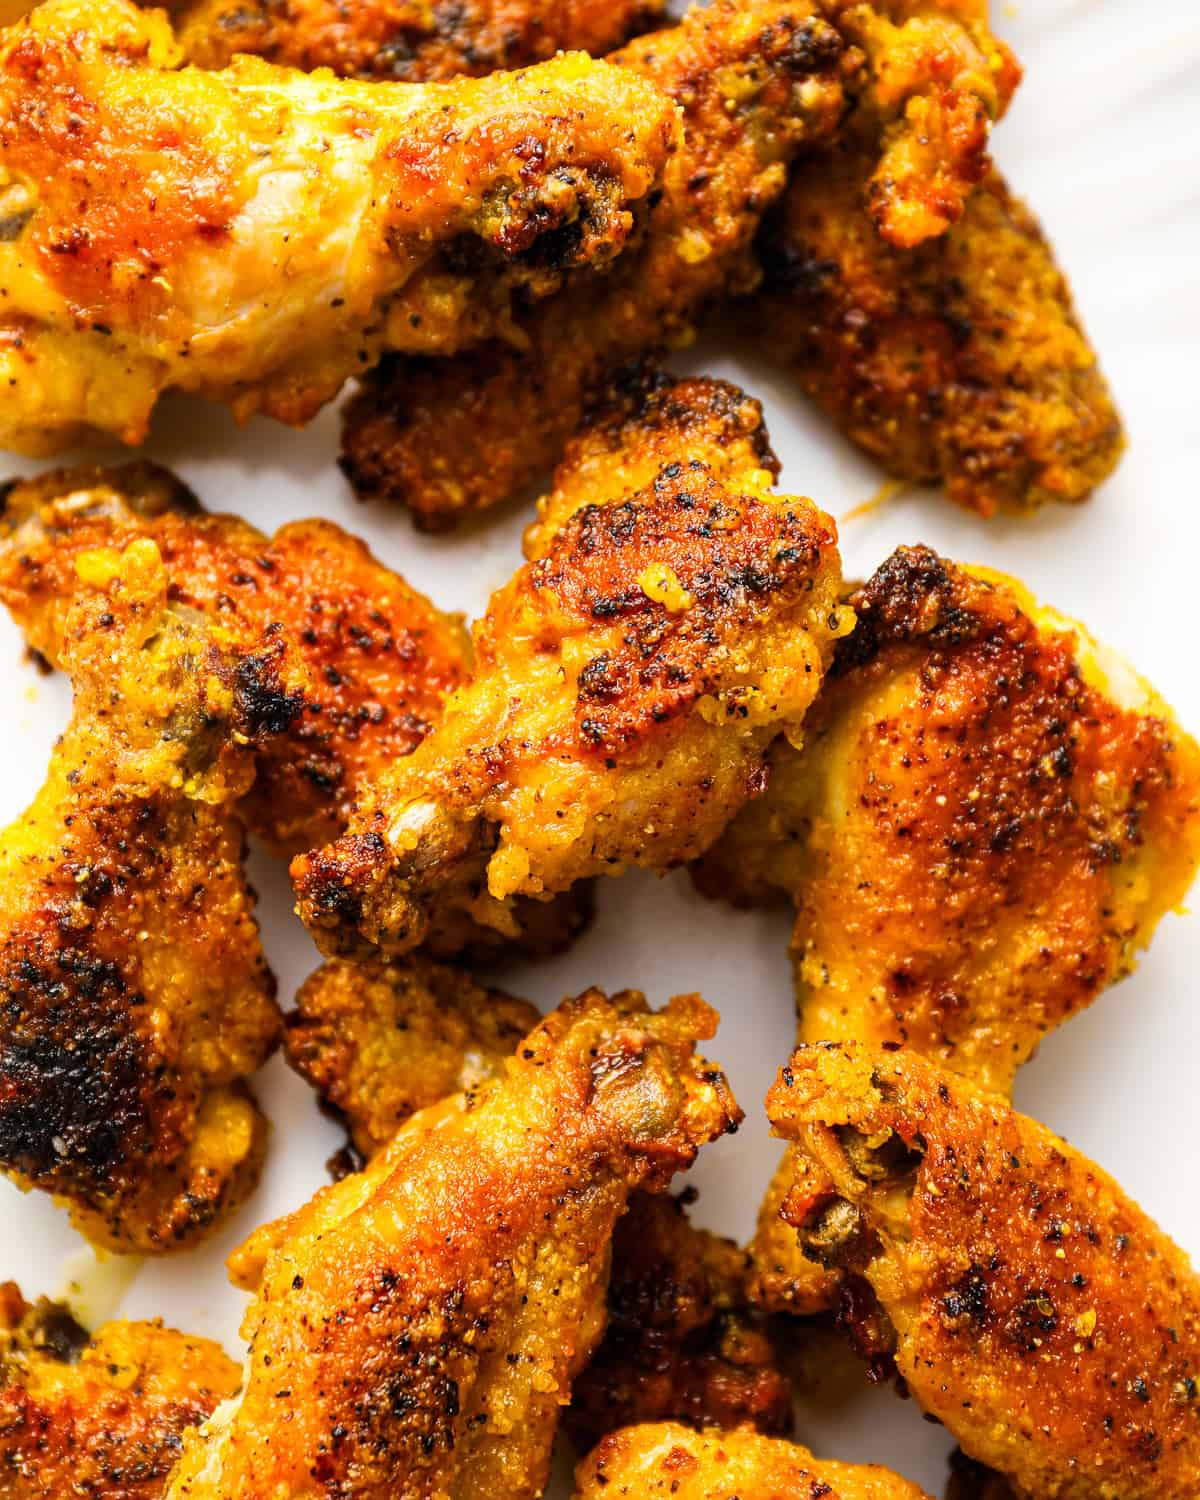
[371,659]
[256,235]
[962,361]
[754,81]
[424,1319]
[989,817]
[1034,1309]
[101,1417]
[670,1460]
[380,1041]
[406,39]
[628,681]
[135,994]
[682,1341]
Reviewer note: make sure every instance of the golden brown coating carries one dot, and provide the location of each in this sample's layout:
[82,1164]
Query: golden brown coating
[136,998]
[379,1041]
[1035,1310]
[370,659]
[425,1318]
[989,817]
[961,361]
[256,235]
[754,81]
[682,1342]
[414,40]
[100,1417]
[673,1461]
[628,682]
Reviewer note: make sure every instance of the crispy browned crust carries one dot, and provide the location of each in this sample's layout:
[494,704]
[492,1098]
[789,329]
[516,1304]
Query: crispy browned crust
[370,660]
[180,246]
[988,819]
[630,678]
[135,994]
[670,1460]
[100,1417]
[962,361]
[452,436]
[971,1481]
[427,1317]
[407,39]
[1036,1311]
[379,1041]
[682,1342]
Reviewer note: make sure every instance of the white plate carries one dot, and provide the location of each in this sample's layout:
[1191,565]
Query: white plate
[1102,141]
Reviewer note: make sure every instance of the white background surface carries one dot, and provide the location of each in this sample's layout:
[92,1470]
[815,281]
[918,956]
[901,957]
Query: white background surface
[1103,139]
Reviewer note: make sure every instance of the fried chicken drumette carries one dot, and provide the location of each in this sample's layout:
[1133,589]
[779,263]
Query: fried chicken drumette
[682,1341]
[136,998]
[673,620]
[990,815]
[406,39]
[427,1316]
[256,235]
[379,1041]
[669,1460]
[754,81]
[100,1416]
[1033,1308]
[961,361]
[370,659]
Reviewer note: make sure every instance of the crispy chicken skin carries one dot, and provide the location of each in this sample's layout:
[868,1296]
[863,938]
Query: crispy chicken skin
[989,817]
[135,994]
[428,1315]
[256,235]
[101,1417]
[961,361]
[413,40]
[669,1460]
[628,681]
[1035,1310]
[448,437]
[372,659]
[682,1341]
[380,1041]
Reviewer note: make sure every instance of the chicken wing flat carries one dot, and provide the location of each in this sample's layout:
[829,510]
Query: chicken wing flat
[426,1317]
[101,1417]
[1035,1310]
[669,1460]
[682,1340]
[989,817]
[135,994]
[961,361]
[380,1041]
[370,659]
[411,40]
[256,235]
[754,80]
[628,682]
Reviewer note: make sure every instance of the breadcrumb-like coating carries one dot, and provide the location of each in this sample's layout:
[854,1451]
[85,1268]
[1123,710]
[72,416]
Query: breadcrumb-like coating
[989,817]
[380,1041]
[961,361]
[670,1460]
[414,40]
[426,1318]
[256,235]
[135,996]
[1035,1310]
[101,1417]
[628,681]
[754,81]
[682,1342]
[370,659]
